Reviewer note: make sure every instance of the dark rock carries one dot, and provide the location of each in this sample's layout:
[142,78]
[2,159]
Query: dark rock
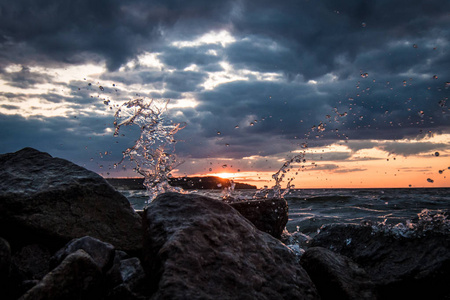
[32,262]
[336,276]
[51,201]
[5,263]
[102,253]
[268,215]
[77,277]
[199,248]
[128,279]
[132,273]
[123,292]
[400,267]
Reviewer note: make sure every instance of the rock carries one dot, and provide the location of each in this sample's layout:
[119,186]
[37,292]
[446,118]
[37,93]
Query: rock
[50,201]
[336,276]
[102,253]
[32,262]
[196,247]
[128,277]
[400,267]
[77,277]
[132,273]
[268,215]
[5,263]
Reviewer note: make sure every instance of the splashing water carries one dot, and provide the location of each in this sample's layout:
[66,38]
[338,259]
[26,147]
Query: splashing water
[427,221]
[276,191]
[153,152]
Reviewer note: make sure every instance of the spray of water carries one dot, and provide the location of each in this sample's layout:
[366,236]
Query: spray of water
[153,153]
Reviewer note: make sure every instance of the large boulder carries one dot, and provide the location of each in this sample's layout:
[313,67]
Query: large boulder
[199,248]
[50,201]
[337,276]
[268,215]
[401,267]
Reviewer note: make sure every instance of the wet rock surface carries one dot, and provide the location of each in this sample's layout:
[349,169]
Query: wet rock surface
[268,215]
[200,248]
[336,276]
[415,267]
[50,201]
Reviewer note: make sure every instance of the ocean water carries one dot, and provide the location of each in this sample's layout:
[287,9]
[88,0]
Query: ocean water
[310,209]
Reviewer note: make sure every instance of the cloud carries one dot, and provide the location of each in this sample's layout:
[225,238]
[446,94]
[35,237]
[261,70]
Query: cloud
[24,78]
[250,80]
[406,149]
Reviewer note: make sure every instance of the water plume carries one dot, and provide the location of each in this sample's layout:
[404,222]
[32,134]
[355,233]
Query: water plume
[153,153]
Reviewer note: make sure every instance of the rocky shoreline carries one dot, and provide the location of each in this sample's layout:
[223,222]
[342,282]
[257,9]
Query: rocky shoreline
[65,233]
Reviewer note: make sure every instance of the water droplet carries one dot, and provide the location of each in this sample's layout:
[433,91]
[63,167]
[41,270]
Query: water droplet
[228,145]
[224,166]
[430,180]
[236,127]
[210,169]
[219,133]
[238,170]
[435,77]
[251,124]
[441,171]
[363,24]
[415,46]
[219,185]
[436,153]
[101,88]
[365,75]
[89,84]
[421,113]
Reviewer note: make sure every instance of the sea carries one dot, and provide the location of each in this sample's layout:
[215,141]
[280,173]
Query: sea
[310,209]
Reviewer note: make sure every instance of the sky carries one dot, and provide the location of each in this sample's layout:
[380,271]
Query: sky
[358,89]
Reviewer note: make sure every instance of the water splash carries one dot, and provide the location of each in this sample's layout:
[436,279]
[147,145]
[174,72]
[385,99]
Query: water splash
[276,191]
[427,221]
[153,153]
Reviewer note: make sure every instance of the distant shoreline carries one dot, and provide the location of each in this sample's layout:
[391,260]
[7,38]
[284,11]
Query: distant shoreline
[187,183]
[217,183]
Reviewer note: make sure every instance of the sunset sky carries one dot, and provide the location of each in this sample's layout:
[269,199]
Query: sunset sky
[360,88]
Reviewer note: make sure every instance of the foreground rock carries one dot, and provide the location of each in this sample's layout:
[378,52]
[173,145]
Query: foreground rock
[415,267]
[77,277]
[268,215]
[336,276]
[50,201]
[199,248]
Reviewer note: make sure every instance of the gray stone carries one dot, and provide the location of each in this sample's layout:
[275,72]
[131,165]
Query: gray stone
[336,276]
[77,277]
[268,215]
[400,267]
[51,201]
[199,248]
[102,253]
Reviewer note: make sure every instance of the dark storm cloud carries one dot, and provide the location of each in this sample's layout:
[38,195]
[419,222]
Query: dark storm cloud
[80,31]
[81,140]
[24,78]
[405,149]
[323,33]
